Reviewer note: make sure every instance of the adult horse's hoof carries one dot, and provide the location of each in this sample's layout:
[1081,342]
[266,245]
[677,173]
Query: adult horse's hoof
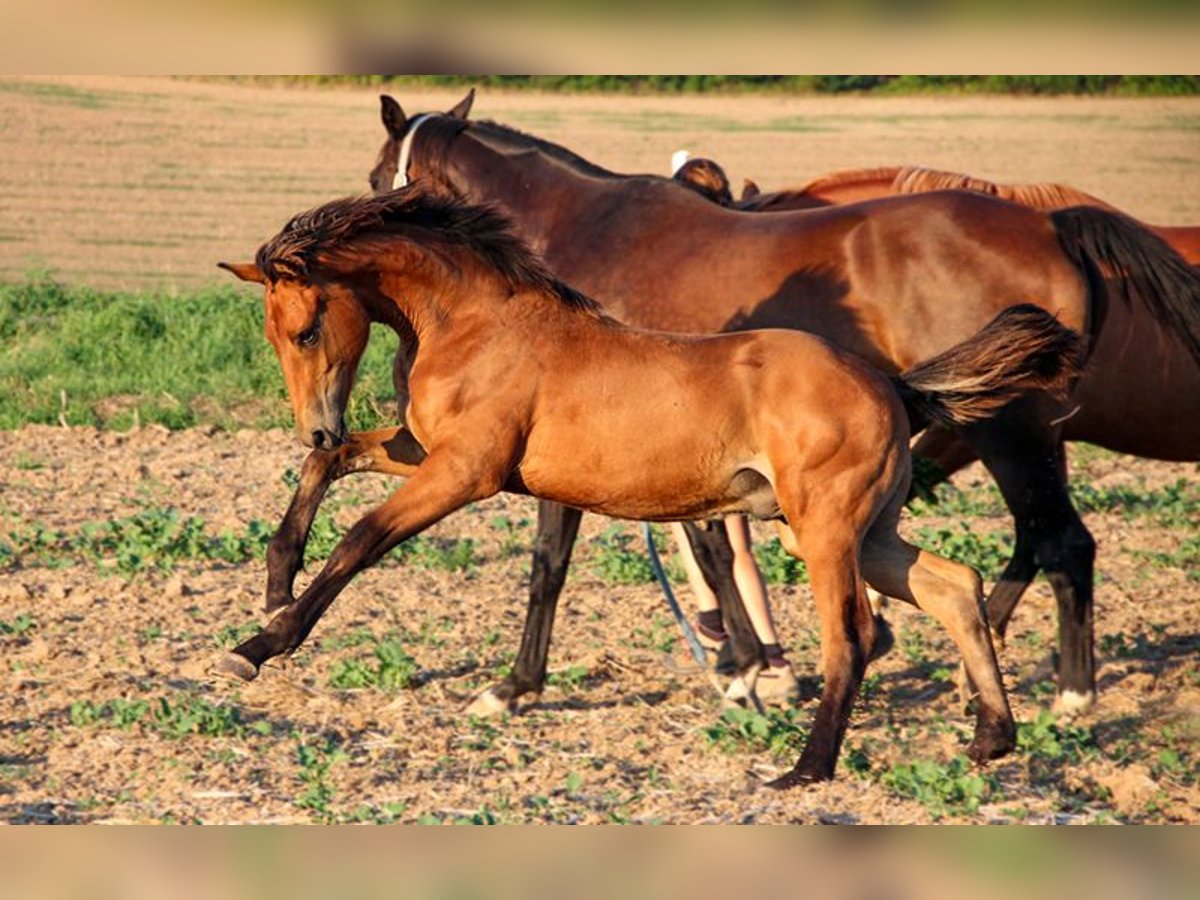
[885,638]
[741,694]
[1073,703]
[487,704]
[992,741]
[234,665]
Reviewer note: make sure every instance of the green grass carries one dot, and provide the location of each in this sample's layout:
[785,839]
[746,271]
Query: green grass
[778,732]
[389,668]
[942,788]
[111,359]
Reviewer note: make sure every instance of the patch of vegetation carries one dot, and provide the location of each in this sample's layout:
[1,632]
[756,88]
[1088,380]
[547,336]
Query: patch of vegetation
[110,359]
[986,552]
[1047,739]
[778,732]
[947,500]
[1176,505]
[942,788]
[18,626]
[176,717]
[390,668]
[1186,556]
[156,538]
[316,761]
[777,565]
[450,554]
[618,558]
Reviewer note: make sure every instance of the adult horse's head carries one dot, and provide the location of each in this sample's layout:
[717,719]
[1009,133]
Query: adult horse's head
[395,166]
[319,330]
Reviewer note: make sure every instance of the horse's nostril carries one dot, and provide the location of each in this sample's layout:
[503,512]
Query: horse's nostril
[319,439]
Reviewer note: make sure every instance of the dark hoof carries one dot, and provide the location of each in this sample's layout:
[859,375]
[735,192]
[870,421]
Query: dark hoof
[235,665]
[885,639]
[796,778]
[992,743]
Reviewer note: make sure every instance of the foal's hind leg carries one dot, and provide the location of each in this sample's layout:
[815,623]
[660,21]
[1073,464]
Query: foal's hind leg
[389,451]
[557,526]
[847,637]
[953,594]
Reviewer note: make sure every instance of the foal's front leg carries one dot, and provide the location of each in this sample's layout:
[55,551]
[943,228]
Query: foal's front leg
[442,484]
[389,451]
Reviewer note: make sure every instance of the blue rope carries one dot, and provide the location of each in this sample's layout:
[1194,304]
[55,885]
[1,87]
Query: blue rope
[684,625]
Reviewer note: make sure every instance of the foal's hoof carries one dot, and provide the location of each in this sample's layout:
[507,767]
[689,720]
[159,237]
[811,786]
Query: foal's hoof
[488,704]
[234,665]
[796,778]
[1071,703]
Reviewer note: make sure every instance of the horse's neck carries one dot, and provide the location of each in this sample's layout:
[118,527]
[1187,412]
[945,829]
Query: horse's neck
[536,188]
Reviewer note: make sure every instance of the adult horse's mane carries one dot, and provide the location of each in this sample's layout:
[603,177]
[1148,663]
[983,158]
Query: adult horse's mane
[555,151]
[845,176]
[919,179]
[336,230]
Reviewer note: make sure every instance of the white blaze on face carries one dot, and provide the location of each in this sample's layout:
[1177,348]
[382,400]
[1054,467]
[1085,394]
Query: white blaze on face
[401,179]
[678,158]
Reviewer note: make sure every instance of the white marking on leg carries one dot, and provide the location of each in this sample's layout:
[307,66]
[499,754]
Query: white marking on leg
[1073,703]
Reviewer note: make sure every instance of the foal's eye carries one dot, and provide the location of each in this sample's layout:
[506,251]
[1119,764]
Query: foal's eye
[308,337]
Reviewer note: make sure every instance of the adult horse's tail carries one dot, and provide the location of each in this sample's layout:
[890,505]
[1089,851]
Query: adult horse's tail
[1139,262]
[1024,349]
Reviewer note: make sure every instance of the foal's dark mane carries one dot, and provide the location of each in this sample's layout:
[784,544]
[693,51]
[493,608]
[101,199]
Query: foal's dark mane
[336,229]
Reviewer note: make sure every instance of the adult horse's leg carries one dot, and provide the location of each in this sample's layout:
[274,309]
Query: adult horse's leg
[389,451]
[557,527]
[1028,465]
[714,555]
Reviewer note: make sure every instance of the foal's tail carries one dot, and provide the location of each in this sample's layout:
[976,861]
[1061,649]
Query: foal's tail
[1139,262]
[1022,350]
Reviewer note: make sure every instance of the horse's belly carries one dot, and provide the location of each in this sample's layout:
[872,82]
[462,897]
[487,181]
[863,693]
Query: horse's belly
[1140,393]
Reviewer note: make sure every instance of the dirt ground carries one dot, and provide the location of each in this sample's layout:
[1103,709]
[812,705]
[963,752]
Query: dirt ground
[108,711]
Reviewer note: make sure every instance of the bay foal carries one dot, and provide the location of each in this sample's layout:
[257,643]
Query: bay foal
[517,382]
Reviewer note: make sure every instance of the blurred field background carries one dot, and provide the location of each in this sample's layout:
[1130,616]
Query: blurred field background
[120,194]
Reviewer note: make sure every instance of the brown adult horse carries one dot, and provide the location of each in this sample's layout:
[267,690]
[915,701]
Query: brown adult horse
[873,278]
[518,382]
[1123,378]
[854,185]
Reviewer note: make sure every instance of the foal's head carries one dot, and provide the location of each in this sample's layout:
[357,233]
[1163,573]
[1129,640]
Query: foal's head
[319,331]
[401,131]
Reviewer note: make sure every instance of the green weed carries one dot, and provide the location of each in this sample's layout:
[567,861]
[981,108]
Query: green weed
[777,565]
[618,558]
[942,788]
[986,552]
[779,732]
[316,762]
[390,668]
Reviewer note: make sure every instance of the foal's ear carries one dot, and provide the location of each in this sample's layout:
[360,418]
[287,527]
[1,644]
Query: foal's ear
[392,115]
[749,189]
[463,107]
[245,271]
